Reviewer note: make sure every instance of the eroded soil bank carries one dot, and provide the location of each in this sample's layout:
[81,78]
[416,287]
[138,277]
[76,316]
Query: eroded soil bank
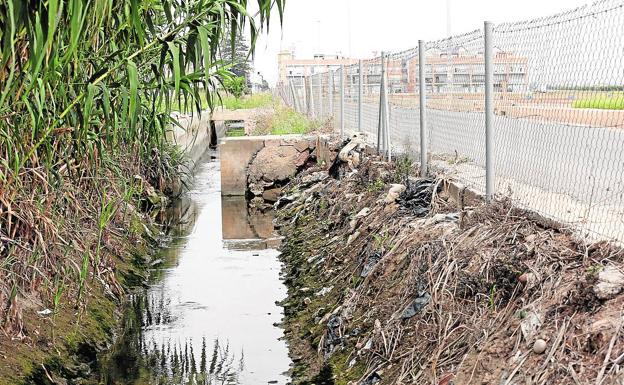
[391,281]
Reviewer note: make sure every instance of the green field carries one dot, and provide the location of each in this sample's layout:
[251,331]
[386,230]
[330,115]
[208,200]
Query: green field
[260,100]
[601,102]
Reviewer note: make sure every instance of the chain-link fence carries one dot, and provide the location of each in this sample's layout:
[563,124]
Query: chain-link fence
[549,134]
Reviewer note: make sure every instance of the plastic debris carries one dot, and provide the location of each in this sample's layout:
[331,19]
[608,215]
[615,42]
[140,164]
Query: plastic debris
[416,199]
[416,305]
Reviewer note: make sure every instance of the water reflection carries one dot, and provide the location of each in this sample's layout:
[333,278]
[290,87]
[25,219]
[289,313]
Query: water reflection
[210,316]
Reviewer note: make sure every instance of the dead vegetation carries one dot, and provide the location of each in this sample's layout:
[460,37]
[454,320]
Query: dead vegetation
[68,246]
[463,295]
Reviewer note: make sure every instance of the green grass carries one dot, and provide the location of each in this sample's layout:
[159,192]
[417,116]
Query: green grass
[287,121]
[601,102]
[260,100]
[232,132]
[248,101]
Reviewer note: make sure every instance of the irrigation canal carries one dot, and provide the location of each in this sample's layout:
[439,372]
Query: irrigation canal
[209,316]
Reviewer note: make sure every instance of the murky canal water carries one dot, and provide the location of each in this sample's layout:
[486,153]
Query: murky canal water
[210,316]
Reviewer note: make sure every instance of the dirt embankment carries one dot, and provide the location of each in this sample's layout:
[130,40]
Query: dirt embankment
[69,254]
[397,284]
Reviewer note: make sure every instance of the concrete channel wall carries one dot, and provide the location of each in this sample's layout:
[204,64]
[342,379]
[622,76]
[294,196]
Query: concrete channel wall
[193,135]
[284,152]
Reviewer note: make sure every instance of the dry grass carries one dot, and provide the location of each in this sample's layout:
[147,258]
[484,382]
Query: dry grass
[487,274]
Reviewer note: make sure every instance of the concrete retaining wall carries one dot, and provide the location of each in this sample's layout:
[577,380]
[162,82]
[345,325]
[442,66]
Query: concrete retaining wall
[193,134]
[237,153]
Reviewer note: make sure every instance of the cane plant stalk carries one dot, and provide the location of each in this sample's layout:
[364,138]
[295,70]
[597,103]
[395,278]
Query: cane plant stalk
[84,83]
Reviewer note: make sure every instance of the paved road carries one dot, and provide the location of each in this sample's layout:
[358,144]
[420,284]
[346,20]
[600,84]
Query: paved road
[585,163]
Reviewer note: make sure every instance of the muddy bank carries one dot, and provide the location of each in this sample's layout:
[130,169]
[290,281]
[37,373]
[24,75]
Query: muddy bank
[94,241]
[392,282]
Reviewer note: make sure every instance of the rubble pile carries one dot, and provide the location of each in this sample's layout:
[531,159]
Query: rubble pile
[274,165]
[393,283]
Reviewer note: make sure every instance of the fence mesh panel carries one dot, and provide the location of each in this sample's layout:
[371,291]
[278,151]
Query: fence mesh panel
[558,102]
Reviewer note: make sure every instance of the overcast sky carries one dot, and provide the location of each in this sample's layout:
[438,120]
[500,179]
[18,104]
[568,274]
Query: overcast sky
[357,28]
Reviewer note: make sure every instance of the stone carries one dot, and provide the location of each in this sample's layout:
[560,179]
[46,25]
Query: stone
[353,237]
[610,282]
[272,195]
[394,193]
[539,346]
[274,164]
[302,145]
[302,159]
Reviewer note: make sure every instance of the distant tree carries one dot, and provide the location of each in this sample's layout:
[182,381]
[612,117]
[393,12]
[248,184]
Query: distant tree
[234,51]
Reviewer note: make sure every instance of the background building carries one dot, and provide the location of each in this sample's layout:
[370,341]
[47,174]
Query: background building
[294,70]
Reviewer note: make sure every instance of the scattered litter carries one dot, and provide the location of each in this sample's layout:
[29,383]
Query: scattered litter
[371,261]
[364,212]
[372,379]
[333,333]
[352,237]
[416,198]
[44,312]
[324,291]
[530,324]
[416,305]
[313,178]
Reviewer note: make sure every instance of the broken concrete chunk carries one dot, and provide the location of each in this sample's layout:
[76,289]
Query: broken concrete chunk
[610,282]
[302,145]
[531,323]
[302,159]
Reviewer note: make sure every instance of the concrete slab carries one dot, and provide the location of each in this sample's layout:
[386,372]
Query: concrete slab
[235,155]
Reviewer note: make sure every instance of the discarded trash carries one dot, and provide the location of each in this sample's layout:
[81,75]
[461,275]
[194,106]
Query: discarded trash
[348,158]
[333,333]
[44,312]
[416,199]
[352,237]
[324,291]
[372,379]
[416,305]
[313,178]
[284,200]
[371,261]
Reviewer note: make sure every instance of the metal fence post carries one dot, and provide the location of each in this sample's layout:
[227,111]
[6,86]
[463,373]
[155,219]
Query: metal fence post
[320,95]
[489,112]
[381,120]
[342,101]
[311,92]
[294,97]
[330,91]
[387,141]
[360,93]
[422,87]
